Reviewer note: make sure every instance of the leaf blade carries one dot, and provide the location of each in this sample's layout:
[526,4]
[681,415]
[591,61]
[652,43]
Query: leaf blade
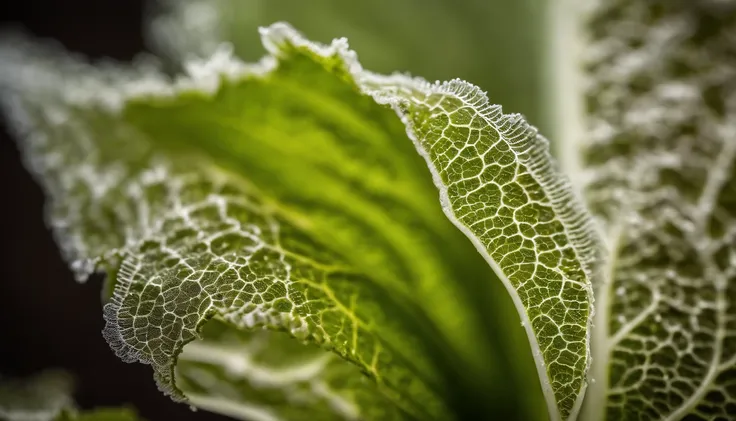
[659,176]
[479,202]
[144,218]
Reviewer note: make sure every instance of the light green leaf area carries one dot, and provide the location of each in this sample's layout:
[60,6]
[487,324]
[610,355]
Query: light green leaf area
[42,397]
[660,174]
[223,371]
[440,40]
[286,195]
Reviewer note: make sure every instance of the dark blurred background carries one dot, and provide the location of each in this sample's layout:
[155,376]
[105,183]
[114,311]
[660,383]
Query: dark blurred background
[48,320]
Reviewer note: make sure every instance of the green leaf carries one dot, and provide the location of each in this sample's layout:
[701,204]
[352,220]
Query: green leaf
[188,242]
[659,172]
[188,239]
[498,186]
[439,39]
[287,196]
[227,368]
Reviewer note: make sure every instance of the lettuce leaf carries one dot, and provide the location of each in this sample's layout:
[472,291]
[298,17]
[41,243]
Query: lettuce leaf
[658,170]
[252,216]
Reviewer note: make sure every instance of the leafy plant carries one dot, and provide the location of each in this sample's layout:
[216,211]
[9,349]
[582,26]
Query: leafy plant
[274,248]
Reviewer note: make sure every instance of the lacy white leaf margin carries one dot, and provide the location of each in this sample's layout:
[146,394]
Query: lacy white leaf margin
[508,166]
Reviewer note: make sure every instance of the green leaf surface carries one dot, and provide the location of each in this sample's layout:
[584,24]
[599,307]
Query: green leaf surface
[659,173]
[188,242]
[498,186]
[287,196]
[438,39]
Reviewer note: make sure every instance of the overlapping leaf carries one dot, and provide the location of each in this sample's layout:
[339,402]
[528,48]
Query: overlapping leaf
[660,174]
[498,185]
